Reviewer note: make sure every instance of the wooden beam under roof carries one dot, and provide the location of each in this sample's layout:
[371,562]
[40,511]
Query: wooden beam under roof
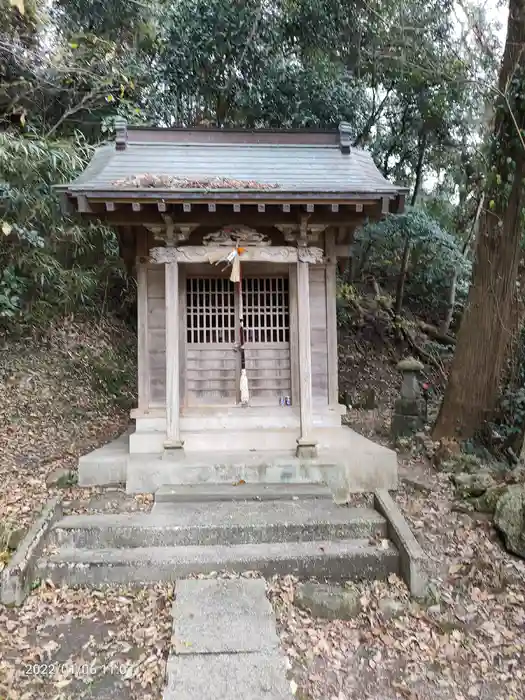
[83,205]
[220,218]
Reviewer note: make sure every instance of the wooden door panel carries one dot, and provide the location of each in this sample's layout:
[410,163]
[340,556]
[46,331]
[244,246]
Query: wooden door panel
[212,360]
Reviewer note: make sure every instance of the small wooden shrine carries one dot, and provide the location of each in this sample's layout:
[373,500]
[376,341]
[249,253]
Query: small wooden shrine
[234,237]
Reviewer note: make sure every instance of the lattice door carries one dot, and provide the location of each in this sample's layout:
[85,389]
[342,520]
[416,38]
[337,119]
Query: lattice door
[212,364]
[267,338]
[212,336]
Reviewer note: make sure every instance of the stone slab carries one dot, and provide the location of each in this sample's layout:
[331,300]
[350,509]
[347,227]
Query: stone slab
[227,522]
[241,492]
[105,466]
[227,677]
[412,559]
[17,577]
[223,616]
[325,560]
[357,465]
[147,472]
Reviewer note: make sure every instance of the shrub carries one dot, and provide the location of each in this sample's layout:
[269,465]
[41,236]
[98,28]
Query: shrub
[49,262]
[434,256]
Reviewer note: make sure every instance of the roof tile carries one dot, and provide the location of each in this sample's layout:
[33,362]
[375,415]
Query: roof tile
[292,168]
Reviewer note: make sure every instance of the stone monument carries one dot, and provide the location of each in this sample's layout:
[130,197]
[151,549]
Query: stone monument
[409,409]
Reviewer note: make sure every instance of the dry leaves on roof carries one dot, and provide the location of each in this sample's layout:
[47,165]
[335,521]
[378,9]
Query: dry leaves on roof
[147,180]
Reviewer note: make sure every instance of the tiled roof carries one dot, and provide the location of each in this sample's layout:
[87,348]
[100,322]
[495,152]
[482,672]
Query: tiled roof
[292,167]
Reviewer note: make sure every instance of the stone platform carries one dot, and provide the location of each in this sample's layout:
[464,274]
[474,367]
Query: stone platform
[347,462]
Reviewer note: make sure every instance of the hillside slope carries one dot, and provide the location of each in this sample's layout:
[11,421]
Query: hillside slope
[62,393]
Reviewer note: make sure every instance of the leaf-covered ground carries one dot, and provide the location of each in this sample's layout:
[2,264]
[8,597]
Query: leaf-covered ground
[65,644]
[70,391]
[466,641]
[61,395]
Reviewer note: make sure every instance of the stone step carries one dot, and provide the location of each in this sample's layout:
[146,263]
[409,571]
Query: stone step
[240,492]
[226,523]
[237,418]
[147,472]
[353,559]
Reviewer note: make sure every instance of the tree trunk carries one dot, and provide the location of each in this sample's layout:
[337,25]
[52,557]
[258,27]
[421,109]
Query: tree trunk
[400,291]
[470,243]
[419,168]
[451,302]
[487,324]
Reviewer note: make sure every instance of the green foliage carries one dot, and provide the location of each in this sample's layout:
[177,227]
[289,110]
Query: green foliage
[511,419]
[410,87]
[434,255]
[48,261]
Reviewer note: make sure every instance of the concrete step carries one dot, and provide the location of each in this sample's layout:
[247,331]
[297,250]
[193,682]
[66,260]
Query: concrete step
[147,472]
[237,418]
[226,523]
[352,559]
[240,492]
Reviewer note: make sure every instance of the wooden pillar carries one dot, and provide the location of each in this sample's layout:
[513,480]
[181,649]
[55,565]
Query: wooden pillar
[141,272]
[142,337]
[173,440]
[331,318]
[306,445]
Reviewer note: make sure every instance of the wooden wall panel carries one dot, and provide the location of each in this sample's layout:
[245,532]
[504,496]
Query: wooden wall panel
[156,335]
[319,341]
[211,374]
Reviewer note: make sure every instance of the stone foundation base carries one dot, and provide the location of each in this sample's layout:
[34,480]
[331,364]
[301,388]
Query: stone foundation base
[306,449]
[345,460]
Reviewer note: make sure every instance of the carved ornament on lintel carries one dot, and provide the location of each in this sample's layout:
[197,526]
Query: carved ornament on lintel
[164,256]
[310,254]
[233,236]
[254,253]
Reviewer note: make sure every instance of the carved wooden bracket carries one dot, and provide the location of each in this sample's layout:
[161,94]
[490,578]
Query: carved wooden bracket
[310,254]
[172,233]
[292,233]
